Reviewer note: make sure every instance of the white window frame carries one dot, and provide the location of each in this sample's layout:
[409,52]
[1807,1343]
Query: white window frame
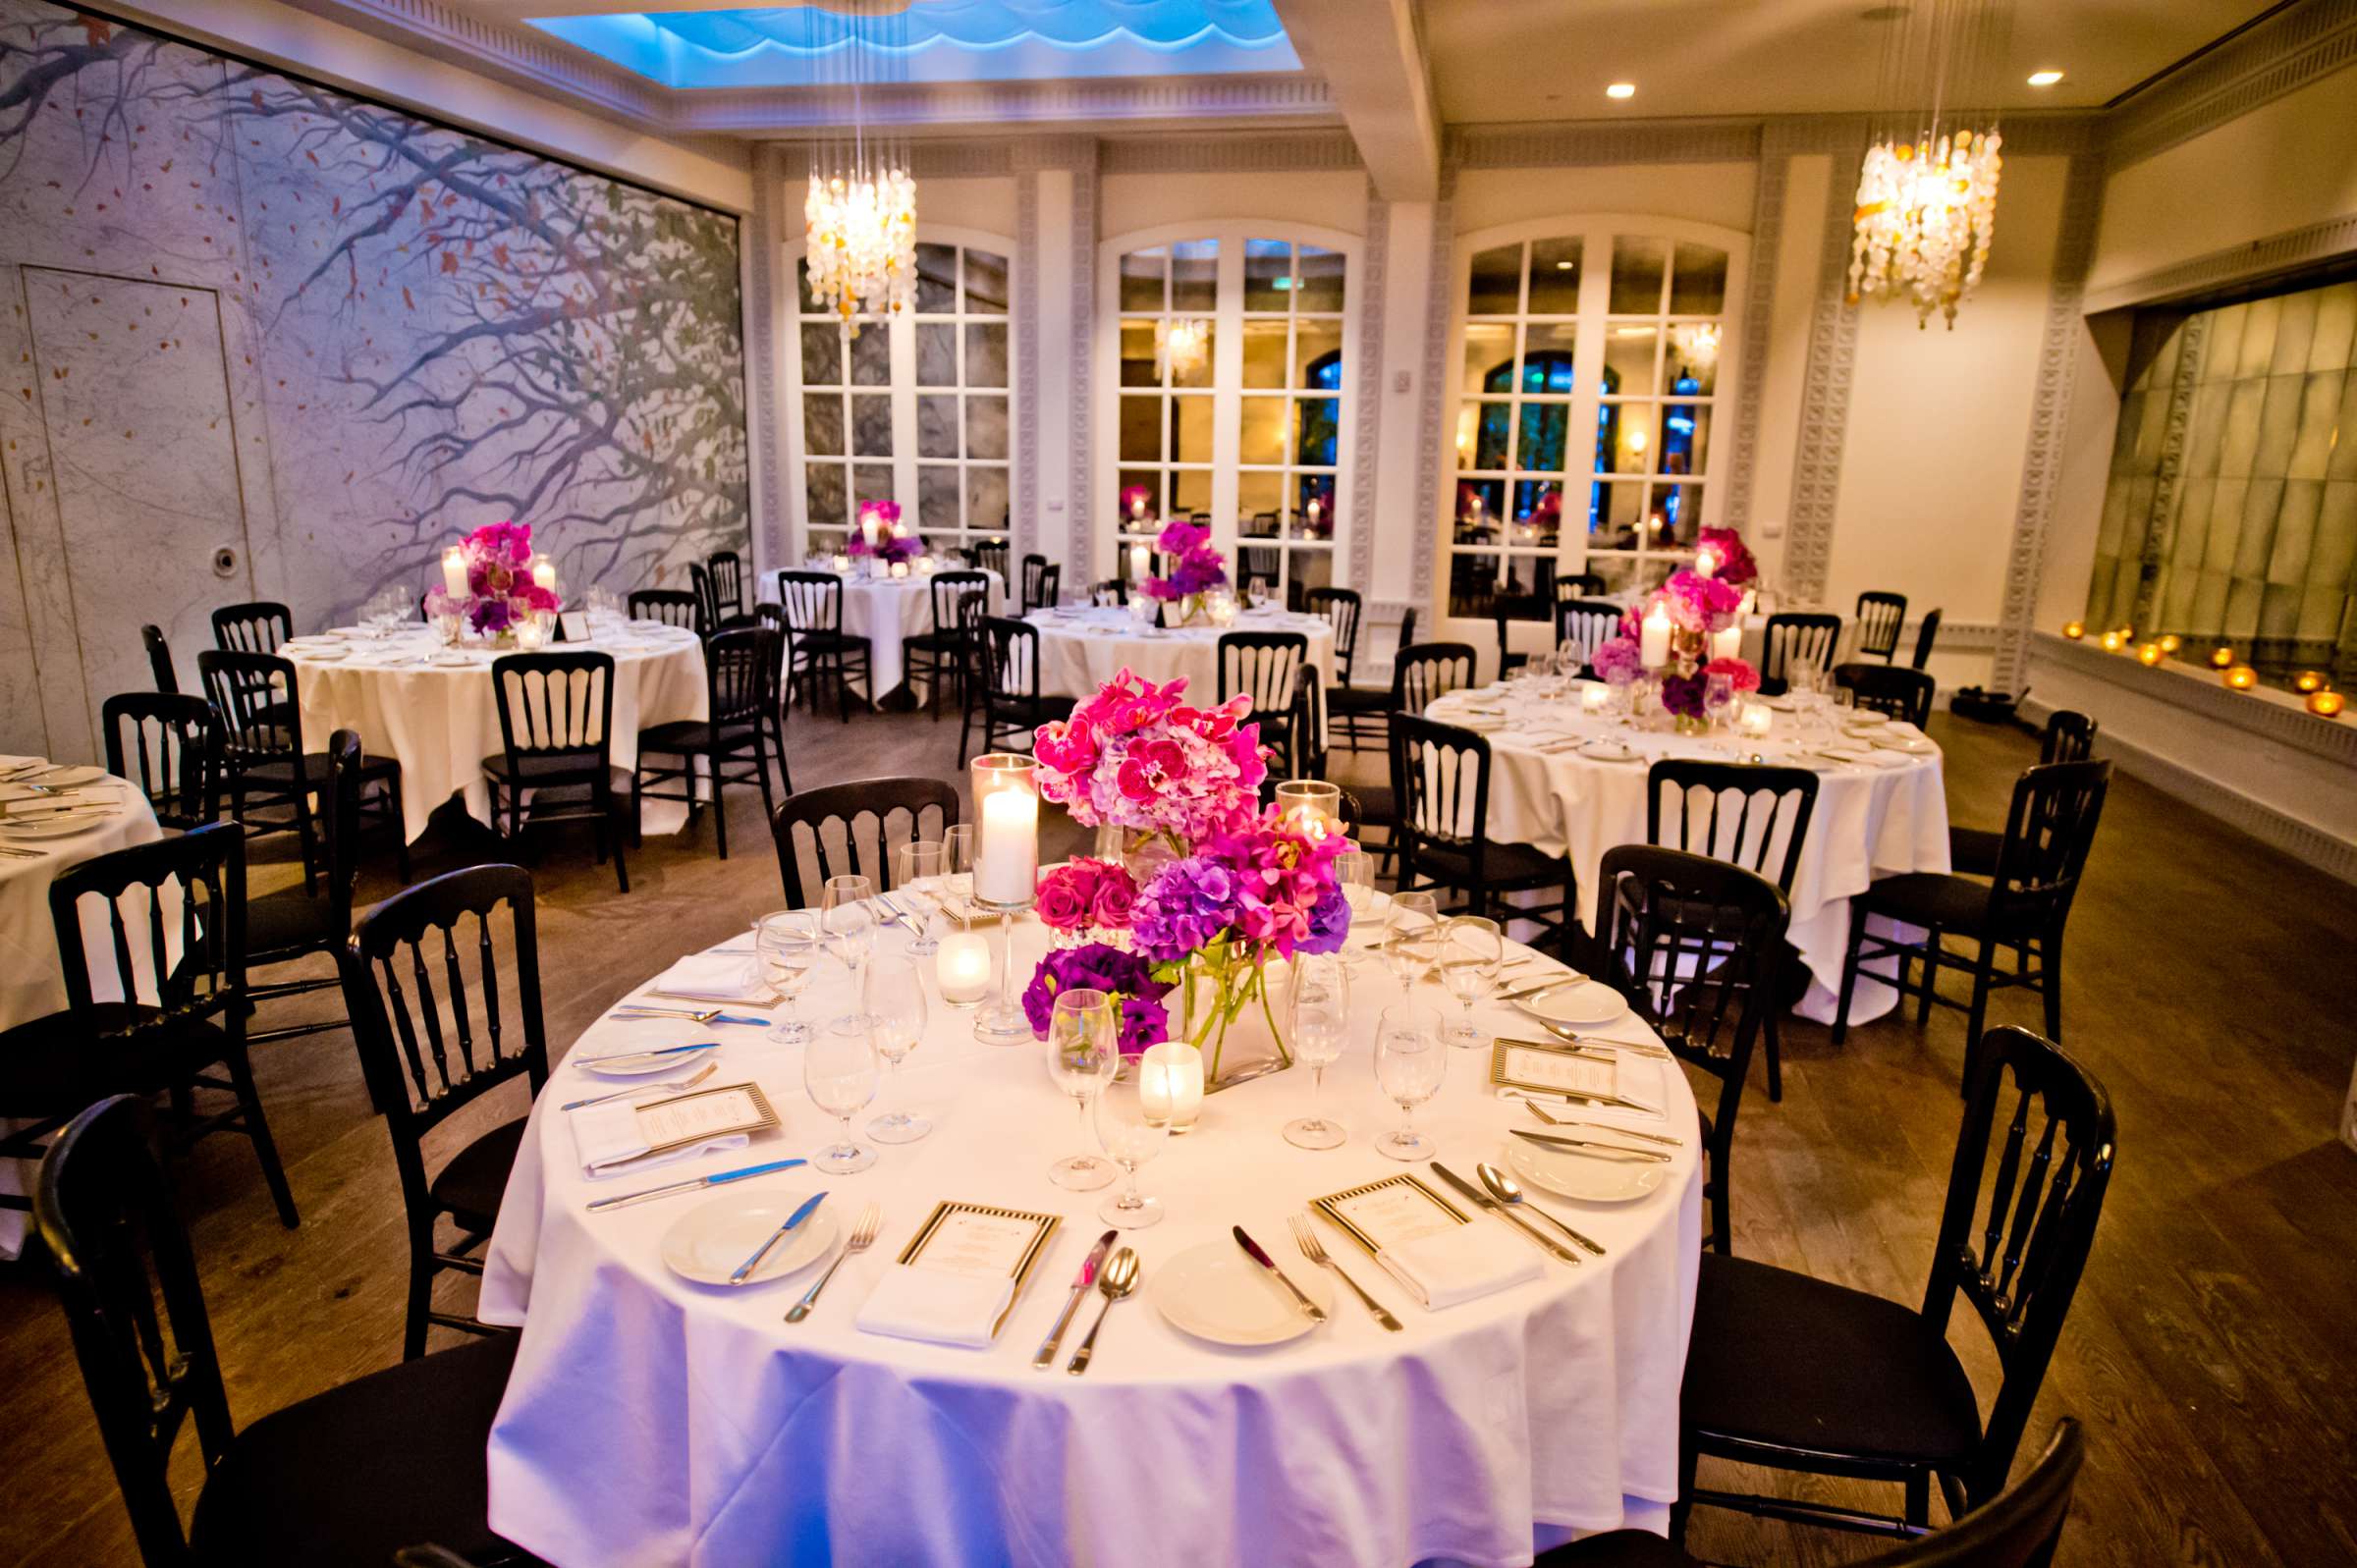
[1227,389]
[1595,232]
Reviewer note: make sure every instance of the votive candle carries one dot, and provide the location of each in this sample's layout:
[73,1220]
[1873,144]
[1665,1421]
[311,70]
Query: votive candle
[962,967]
[2325,704]
[2307,681]
[2221,658]
[2074,630]
[2242,677]
[1170,1081]
[1756,720]
[2149,653]
[1594,698]
[1312,804]
[1706,563]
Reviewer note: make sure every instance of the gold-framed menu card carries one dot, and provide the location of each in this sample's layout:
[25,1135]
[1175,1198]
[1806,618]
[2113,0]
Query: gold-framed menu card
[619,1130]
[1553,1070]
[1422,1240]
[1388,1213]
[958,1278]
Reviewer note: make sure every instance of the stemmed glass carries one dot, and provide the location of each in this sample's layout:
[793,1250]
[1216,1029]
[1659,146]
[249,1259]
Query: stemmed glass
[958,847]
[1083,1054]
[850,927]
[1132,1127]
[1471,949]
[896,1005]
[1408,1064]
[1412,937]
[1718,696]
[917,865]
[1320,1007]
[1356,872]
[788,944]
[839,1073]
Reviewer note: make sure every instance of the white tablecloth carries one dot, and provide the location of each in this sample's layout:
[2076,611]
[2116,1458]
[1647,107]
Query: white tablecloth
[440,722]
[884,610]
[1869,822]
[32,985]
[652,1421]
[1083,648]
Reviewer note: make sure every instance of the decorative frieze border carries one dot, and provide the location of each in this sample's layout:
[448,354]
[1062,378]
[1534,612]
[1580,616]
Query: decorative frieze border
[1577,143]
[1823,396]
[1431,392]
[1026,360]
[764,243]
[2281,55]
[1374,258]
[1080,484]
[1240,152]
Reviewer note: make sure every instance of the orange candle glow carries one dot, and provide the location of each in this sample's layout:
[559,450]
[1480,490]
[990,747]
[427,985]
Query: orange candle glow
[2221,658]
[2242,677]
[2149,653]
[2111,641]
[2325,704]
[2074,630]
[2170,643]
[2307,681]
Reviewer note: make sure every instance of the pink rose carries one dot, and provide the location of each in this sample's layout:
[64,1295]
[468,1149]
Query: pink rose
[1116,895]
[1061,906]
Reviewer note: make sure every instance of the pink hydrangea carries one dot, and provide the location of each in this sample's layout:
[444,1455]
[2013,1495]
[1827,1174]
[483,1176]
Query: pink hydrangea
[1135,755]
[1735,564]
[1738,672]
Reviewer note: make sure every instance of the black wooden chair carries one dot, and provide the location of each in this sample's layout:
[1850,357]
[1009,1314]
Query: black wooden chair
[853,827]
[1749,815]
[1504,609]
[673,607]
[1429,670]
[1306,754]
[743,731]
[1357,711]
[707,602]
[349,1475]
[429,1053]
[1440,782]
[2018,1528]
[1791,638]
[159,659]
[170,746]
[816,644]
[989,554]
[725,568]
[1012,705]
[2068,737]
[941,657]
[262,627]
[1793,1373]
[1117,587]
[1881,616]
[291,925]
[1586,624]
[1927,632]
[265,763]
[164,1037]
[1270,668]
[556,723]
[2022,909]
[1894,690]
[1696,945]
[1339,609]
[1043,584]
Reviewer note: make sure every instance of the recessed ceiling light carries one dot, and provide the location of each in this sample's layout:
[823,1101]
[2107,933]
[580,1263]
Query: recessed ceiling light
[1621,89]
[2045,78]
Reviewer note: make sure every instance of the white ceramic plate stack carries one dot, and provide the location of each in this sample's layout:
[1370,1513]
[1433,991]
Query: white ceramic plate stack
[1577,1005]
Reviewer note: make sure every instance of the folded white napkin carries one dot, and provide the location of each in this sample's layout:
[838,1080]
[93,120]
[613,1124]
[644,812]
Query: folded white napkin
[608,1134]
[940,1308]
[721,976]
[1460,1263]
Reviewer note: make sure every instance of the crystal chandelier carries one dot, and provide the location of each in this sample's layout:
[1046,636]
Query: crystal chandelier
[1179,345]
[1926,211]
[860,217]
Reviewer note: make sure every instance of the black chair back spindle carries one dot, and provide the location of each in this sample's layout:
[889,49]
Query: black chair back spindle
[989,554]
[262,627]
[1749,815]
[1793,637]
[159,659]
[1892,690]
[170,746]
[1043,584]
[1341,609]
[1881,616]
[1927,633]
[1586,624]
[726,568]
[673,607]
[1265,666]
[842,842]
[1421,672]
[187,968]
[2068,737]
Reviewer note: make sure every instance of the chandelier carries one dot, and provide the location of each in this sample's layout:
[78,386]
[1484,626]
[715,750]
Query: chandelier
[860,217]
[1926,211]
[1181,345]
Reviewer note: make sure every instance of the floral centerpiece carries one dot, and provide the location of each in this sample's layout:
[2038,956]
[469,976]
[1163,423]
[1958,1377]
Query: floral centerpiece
[1085,896]
[1192,568]
[1730,558]
[494,565]
[1696,608]
[1236,886]
[1138,503]
[879,537]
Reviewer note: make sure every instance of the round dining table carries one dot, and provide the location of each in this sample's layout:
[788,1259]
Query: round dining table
[431,708]
[884,611]
[653,1420]
[1081,647]
[1559,785]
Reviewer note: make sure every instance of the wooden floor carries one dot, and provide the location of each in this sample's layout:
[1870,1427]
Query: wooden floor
[2211,1353]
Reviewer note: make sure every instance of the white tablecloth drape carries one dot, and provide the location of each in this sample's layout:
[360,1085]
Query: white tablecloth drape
[654,1421]
[1083,648]
[884,610]
[440,722]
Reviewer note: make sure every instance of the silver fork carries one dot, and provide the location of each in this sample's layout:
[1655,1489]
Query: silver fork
[893,914]
[1315,1251]
[863,1237]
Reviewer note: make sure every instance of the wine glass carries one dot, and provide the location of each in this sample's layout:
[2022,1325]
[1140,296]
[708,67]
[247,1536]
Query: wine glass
[1471,949]
[914,864]
[1412,937]
[1318,1005]
[957,849]
[1718,696]
[1131,1125]
[839,1073]
[895,1002]
[1354,870]
[1083,1052]
[788,946]
[850,926]
[1408,1064]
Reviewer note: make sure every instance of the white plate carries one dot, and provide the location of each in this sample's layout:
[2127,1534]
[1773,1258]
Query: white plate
[1883,757]
[330,653]
[708,1242]
[1607,751]
[639,1065]
[68,776]
[1863,720]
[58,827]
[1215,1292]
[1912,745]
[1584,1004]
[451,658]
[1591,1179]
[1481,723]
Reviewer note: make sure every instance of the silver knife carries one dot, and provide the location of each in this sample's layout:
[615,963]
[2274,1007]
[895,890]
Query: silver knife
[745,1268]
[1635,1048]
[1482,1200]
[1540,1111]
[1554,1140]
[1254,1251]
[1064,1319]
[716,1179]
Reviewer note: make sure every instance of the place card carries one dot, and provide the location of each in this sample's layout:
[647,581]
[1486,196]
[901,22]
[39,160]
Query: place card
[688,1118]
[1390,1212]
[982,1241]
[1552,1070]
[572,625]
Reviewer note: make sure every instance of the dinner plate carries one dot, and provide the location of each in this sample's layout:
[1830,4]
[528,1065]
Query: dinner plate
[636,1067]
[66,777]
[1481,723]
[709,1242]
[1582,1004]
[1215,1292]
[1912,745]
[1858,722]
[325,653]
[1590,1178]
[451,658]
[58,827]
[1607,751]
[1884,757]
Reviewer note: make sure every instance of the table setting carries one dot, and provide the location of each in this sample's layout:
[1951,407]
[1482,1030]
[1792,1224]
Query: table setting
[887,574]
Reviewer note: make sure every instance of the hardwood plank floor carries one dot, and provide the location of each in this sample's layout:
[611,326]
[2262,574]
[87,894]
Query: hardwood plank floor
[2212,1351]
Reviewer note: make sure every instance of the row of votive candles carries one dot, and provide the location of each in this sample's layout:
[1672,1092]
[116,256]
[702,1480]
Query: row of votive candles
[2311,684]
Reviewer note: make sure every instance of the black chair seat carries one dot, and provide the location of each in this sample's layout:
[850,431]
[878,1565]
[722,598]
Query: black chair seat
[311,769]
[693,735]
[541,769]
[1973,850]
[1358,699]
[291,923]
[356,1473]
[934,642]
[1617,1548]
[51,1067]
[1932,899]
[805,642]
[1782,1359]
[1506,867]
[1032,711]
[470,1185]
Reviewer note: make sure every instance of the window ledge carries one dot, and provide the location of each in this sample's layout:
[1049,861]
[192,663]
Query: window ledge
[2278,716]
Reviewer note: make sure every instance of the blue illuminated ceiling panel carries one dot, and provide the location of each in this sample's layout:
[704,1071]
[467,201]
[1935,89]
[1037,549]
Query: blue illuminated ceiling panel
[939,41]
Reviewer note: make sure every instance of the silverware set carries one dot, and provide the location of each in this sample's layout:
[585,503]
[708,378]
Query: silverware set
[1306,1238]
[862,1237]
[1119,1279]
[701,1015]
[1540,1111]
[719,1179]
[669,1086]
[1480,1199]
[744,1270]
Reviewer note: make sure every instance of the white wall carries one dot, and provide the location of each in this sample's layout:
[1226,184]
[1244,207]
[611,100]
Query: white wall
[1707,192]
[1326,199]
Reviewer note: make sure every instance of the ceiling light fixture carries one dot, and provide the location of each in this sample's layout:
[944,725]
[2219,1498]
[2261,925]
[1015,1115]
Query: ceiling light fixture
[859,218]
[2045,78]
[1621,89]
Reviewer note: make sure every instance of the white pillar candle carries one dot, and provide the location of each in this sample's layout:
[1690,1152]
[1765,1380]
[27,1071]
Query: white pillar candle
[869,526]
[1141,562]
[544,573]
[1751,602]
[1653,643]
[1728,642]
[454,572]
[1137,507]
[962,967]
[1170,1083]
[1757,719]
[1706,564]
[1007,850]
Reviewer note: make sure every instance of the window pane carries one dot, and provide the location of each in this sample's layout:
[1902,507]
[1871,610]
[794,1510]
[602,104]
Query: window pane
[1489,435]
[1191,494]
[1262,436]
[1318,355]
[1691,364]
[1195,275]
[871,481]
[1679,509]
[1489,358]
[1264,353]
[1555,277]
[936,355]
[822,426]
[1614,511]
[822,355]
[936,280]
[1625,437]
[1479,504]
[822,493]
[871,426]
[1543,437]
[1638,262]
[986,283]
[1142,275]
[1137,355]
[1629,351]
[1268,274]
[937,490]
[937,425]
[1318,426]
[1685,438]
[1191,366]
[986,427]
[986,498]
[1151,482]
[1319,283]
[1496,286]
[1258,498]
[1546,358]
[1538,513]
[871,357]
[1190,435]
[1306,570]
[1141,429]
[1313,506]
[985,354]
[1698,281]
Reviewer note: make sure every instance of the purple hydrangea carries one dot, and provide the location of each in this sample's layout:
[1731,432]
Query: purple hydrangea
[1186,907]
[1617,661]
[1127,976]
[1682,694]
[1329,923]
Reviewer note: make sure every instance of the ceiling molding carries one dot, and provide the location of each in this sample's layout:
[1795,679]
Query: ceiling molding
[1371,55]
[2287,251]
[1242,152]
[2280,56]
[1271,96]
[1574,143]
[522,56]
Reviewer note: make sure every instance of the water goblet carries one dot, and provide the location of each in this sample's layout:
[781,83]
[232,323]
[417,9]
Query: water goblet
[895,1002]
[1319,1009]
[850,926]
[1355,871]
[1412,937]
[1471,949]
[839,1074]
[1409,1065]
[958,846]
[1718,696]
[916,866]
[788,944]
[1131,1127]
[1083,1054]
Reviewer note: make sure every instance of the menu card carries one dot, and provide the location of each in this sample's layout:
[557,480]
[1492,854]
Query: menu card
[706,1114]
[980,1244]
[1390,1212]
[1522,1064]
[977,1240]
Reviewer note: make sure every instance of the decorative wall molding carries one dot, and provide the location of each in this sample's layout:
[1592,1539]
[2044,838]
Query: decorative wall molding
[1824,395]
[1577,143]
[2049,416]
[2287,251]
[2159,519]
[2281,55]
[1274,96]
[1759,310]
[520,54]
[1432,392]
[1244,152]
[1026,360]
[1374,269]
[764,257]
[1081,540]
[1039,153]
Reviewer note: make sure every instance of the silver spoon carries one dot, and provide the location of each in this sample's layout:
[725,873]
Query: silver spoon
[1117,1280]
[1507,1191]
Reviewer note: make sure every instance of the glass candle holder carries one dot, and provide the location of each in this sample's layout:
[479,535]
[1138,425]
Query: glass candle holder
[1313,804]
[1169,1080]
[962,968]
[1755,720]
[2326,704]
[1006,792]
